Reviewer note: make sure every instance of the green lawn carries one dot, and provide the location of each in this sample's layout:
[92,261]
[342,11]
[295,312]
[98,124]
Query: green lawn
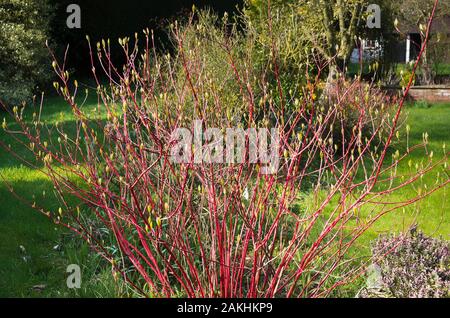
[41,264]
[431,214]
[48,251]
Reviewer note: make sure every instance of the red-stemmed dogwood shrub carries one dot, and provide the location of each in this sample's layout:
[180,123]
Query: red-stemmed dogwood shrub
[201,229]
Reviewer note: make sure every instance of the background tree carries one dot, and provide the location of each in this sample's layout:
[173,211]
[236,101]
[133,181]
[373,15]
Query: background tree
[330,28]
[24,61]
[416,14]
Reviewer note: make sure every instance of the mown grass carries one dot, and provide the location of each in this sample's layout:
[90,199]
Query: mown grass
[42,264]
[33,252]
[431,214]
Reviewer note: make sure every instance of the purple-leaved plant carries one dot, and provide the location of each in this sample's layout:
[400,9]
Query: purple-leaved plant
[413,265]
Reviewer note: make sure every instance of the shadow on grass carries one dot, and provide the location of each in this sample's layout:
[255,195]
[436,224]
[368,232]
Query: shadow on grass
[35,252]
[21,225]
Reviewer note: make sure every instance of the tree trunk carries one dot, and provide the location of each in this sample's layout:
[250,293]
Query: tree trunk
[427,72]
[334,73]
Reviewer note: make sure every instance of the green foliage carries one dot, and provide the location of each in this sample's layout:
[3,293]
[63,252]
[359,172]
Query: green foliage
[218,51]
[442,69]
[422,104]
[415,14]
[317,31]
[402,73]
[283,31]
[23,57]
[439,54]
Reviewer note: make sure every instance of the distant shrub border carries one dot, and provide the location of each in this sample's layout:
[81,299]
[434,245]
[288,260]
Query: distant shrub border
[24,59]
